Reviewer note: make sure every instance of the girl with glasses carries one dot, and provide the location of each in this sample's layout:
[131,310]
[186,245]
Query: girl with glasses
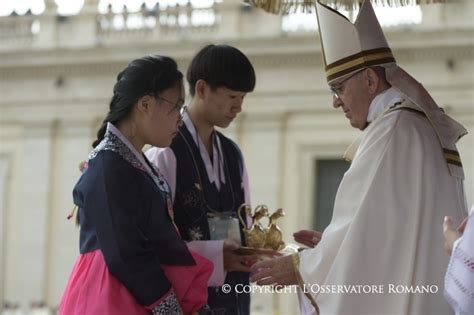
[132,258]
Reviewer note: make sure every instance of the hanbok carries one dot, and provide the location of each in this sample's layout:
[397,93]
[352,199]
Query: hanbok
[133,260]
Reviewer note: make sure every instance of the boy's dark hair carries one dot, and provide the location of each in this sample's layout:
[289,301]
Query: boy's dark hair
[221,66]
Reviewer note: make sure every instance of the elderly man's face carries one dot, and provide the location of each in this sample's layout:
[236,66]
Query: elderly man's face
[353,96]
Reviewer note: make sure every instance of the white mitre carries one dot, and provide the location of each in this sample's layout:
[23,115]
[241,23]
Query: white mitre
[349,47]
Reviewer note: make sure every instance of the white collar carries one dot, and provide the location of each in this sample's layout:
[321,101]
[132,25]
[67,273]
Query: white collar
[111,128]
[192,130]
[215,171]
[380,103]
[190,125]
[154,173]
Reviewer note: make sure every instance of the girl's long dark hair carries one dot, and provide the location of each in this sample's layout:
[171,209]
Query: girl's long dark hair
[148,75]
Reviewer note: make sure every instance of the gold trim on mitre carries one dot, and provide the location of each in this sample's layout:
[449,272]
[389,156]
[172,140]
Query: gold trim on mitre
[348,47]
[359,61]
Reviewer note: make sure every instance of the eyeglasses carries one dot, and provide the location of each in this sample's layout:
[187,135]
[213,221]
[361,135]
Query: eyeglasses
[179,107]
[337,91]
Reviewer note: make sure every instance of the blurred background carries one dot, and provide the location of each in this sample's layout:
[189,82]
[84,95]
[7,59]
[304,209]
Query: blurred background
[59,61]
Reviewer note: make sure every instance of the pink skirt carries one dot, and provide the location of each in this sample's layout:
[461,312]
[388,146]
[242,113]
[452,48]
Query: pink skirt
[93,290]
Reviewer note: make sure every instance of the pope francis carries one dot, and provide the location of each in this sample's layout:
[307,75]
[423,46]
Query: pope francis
[382,252]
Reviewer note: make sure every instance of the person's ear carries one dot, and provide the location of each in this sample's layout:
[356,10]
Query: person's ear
[373,80]
[200,89]
[144,103]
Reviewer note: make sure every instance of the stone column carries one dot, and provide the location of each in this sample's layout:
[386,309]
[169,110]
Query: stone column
[79,30]
[5,165]
[28,215]
[46,37]
[72,144]
[229,23]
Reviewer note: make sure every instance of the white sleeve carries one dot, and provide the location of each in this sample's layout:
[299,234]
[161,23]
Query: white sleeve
[246,187]
[165,160]
[245,183]
[214,251]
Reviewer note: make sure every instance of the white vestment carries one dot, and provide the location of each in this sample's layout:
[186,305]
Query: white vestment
[386,229]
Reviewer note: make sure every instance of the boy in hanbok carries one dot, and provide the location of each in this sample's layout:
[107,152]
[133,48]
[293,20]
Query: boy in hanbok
[208,173]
